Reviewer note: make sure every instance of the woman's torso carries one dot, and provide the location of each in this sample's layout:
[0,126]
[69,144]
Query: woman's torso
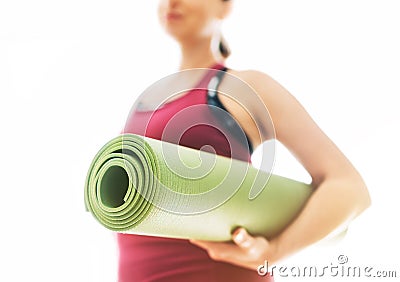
[192,120]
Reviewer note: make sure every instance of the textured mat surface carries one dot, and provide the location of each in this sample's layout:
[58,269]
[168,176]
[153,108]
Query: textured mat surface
[145,186]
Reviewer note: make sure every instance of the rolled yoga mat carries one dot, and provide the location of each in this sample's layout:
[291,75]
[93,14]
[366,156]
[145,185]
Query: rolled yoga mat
[140,185]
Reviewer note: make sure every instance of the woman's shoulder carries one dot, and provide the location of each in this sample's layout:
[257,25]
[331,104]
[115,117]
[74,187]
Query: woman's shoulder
[263,84]
[245,107]
[248,75]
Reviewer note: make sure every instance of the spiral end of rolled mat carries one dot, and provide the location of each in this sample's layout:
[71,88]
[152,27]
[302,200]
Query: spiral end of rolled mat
[120,183]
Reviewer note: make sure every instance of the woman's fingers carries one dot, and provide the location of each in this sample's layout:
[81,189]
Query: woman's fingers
[243,239]
[246,250]
[217,250]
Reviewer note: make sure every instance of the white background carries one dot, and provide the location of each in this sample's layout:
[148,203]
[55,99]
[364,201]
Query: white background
[71,70]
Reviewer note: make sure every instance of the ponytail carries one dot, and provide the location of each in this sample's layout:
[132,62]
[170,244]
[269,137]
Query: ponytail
[224,48]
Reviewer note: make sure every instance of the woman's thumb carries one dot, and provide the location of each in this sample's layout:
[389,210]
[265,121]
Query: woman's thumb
[242,238]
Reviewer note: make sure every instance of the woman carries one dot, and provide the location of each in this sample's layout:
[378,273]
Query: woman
[340,193]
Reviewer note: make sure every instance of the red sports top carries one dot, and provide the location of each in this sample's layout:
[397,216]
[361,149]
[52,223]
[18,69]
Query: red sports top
[147,258]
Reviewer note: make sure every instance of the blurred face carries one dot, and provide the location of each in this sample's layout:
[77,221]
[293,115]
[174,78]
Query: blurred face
[183,19]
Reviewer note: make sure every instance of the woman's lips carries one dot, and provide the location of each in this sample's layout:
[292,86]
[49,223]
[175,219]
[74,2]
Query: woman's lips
[172,16]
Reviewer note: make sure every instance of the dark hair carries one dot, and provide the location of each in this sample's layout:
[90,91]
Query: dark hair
[223,46]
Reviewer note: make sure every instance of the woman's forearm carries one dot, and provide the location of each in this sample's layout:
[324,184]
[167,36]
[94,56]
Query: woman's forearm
[334,203]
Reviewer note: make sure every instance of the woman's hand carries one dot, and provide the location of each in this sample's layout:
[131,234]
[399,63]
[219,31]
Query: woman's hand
[245,251]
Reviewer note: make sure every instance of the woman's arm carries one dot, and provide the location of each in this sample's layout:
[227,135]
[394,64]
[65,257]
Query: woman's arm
[340,193]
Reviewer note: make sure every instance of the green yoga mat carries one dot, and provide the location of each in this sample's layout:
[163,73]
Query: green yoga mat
[140,185]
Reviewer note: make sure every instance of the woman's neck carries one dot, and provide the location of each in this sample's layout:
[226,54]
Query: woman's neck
[197,54]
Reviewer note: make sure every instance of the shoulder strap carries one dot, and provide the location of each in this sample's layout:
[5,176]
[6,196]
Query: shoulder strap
[213,100]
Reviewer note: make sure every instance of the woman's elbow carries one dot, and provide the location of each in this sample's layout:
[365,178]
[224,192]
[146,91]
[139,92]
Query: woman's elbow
[362,198]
